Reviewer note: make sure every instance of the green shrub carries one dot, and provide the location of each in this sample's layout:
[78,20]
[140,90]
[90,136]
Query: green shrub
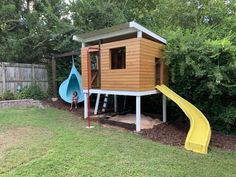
[202,70]
[228,118]
[8,95]
[31,92]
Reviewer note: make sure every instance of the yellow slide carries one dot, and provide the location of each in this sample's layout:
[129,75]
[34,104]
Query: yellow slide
[199,134]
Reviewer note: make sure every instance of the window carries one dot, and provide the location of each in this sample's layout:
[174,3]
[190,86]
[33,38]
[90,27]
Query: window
[117,58]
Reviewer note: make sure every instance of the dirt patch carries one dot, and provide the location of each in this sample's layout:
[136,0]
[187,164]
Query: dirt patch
[20,145]
[65,106]
[21,136]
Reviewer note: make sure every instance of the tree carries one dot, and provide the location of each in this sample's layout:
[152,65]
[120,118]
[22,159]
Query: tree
[94,14]
[200,37]
[28,35]
[202,59]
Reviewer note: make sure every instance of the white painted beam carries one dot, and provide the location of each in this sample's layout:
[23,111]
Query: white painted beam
[97,104]
[139,34]
[83,44]
[138,113]
[121,92]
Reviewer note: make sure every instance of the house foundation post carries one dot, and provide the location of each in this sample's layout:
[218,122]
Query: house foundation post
[138,113]
[85,106]
[164,118]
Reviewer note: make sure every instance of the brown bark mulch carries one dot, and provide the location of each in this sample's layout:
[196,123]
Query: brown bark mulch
[171,133]
[66,106]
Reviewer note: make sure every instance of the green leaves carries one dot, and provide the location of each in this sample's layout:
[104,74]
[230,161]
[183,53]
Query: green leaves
[27,36]
[33,92]
[201,39]
[201,65]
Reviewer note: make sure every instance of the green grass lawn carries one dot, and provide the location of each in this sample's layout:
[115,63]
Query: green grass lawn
[51,142]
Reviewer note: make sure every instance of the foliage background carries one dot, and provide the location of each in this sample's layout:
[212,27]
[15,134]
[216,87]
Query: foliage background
[200,51]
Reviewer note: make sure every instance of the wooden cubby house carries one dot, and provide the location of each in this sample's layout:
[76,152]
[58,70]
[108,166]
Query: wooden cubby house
[125,59]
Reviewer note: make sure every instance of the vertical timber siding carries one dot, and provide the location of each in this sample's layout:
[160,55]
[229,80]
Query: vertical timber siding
[14,74]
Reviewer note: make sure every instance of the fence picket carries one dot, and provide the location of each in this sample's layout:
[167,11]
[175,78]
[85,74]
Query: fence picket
[15,74]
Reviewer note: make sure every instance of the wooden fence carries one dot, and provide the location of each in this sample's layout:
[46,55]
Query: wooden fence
[15,75]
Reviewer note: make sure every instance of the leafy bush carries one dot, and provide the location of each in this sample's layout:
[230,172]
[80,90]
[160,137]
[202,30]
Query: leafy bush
[33,91]
[202,67]
[8,95]
[228,118]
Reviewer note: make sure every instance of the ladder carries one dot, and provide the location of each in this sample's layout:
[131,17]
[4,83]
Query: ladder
[105,101]
[104,105]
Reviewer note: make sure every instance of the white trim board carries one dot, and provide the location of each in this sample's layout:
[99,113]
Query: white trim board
[124,93]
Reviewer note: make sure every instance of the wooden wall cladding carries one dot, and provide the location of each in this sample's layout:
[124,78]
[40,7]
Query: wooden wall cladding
[139,74]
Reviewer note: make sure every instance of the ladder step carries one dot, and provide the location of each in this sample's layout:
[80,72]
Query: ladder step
[105,101]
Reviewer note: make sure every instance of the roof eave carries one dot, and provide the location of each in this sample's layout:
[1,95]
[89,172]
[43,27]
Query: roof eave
[147,31]
[109,35]
[124,29]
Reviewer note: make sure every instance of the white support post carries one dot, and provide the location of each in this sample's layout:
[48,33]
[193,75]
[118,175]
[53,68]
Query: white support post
[97,104]
[164,118]
[115,103]
[139,34]
[138,113]
[85,106]
[83,44]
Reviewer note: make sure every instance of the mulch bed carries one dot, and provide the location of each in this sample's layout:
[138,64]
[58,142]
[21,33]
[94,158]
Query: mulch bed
[65,106]
[166,133]
[171,133]
[174,134]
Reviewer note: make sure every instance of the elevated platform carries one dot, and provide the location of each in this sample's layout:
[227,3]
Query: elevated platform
[137,94]
[120,92]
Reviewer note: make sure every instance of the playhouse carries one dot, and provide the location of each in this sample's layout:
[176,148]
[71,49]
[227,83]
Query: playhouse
[127,60]
[124,60]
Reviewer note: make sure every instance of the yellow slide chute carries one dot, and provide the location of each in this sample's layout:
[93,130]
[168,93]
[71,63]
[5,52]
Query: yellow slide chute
[199,134]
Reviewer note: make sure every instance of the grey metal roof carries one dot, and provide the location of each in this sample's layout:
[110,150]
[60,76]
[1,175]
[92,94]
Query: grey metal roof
[104,31]
[117,30]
